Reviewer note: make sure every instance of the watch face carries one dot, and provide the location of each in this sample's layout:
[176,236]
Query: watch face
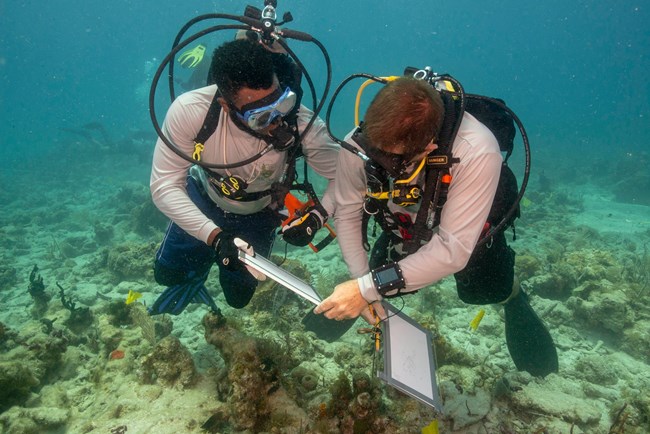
[387,276]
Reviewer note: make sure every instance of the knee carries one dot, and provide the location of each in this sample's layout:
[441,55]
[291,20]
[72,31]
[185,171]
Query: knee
[238,287]
[167,276]
[238,302]
[240,298]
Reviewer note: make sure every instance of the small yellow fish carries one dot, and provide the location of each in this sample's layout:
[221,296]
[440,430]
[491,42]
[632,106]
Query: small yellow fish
[525,202]
[133,296]
[432,428]
[473,324]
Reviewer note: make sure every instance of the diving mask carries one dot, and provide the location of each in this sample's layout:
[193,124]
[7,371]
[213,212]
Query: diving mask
[260,114]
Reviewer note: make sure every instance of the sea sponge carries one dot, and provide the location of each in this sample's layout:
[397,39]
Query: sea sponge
[16,382]
[604,309]
[131,261]
[527,265]
[170,363]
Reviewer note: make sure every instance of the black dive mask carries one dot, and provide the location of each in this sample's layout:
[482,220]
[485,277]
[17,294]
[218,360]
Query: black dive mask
[393,164]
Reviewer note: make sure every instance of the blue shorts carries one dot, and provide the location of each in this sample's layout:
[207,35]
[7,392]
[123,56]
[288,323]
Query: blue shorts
[181,255]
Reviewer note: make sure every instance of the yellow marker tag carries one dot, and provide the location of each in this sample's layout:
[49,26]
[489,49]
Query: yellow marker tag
[473,324]
[133,296]
[198,148]
[432,428]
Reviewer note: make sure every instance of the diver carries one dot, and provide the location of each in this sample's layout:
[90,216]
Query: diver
[404,124]
[254,120]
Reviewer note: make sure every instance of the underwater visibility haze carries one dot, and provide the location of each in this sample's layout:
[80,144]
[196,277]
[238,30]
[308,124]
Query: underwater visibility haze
[78,229]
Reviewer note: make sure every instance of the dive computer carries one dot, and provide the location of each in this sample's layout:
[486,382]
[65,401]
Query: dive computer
[388,278]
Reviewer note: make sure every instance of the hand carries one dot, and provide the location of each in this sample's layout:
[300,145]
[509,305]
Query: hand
[248,249]
[227,251]
[301,230]
[345,302]
[368,315]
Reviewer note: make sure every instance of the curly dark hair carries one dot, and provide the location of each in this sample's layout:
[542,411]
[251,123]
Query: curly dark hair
[241,63]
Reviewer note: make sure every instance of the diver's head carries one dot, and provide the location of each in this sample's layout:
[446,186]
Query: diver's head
[404,118]
[241,64]
[251,93]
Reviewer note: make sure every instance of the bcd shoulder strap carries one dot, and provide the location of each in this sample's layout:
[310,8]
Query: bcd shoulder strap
[436,176]
[279,189]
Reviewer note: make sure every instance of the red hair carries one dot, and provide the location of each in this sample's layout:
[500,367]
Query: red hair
[404,117]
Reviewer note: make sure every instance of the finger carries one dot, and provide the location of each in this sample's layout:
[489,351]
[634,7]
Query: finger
[322,307]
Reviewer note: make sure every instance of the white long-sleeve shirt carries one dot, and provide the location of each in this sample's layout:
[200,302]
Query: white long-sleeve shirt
[471,192]
[228,144]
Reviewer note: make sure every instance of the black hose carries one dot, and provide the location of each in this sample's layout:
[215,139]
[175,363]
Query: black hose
[184,29]
[247,24]
[152,105]
[524,182]
[328,113]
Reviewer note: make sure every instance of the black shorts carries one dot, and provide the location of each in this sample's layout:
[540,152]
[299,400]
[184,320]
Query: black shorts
[487,278]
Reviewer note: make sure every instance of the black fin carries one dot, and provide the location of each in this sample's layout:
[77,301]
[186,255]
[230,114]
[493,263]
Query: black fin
[326,329]
[529,341]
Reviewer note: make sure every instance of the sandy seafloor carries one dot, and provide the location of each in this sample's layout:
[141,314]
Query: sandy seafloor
[90,228]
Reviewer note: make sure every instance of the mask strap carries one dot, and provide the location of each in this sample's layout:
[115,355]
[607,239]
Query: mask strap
[267,100]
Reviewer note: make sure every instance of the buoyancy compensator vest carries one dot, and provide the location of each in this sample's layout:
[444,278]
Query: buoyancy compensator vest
[497,117]
[264,25]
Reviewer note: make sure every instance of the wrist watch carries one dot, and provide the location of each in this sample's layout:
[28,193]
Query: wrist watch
[388,278]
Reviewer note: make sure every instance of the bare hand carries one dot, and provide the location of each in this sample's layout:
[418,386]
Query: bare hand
[345,302]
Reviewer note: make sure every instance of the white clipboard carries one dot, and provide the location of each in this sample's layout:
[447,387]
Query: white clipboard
[281,276]
[409,362]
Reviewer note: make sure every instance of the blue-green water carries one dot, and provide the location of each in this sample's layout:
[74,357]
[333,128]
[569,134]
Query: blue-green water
[77,204]
[575,71]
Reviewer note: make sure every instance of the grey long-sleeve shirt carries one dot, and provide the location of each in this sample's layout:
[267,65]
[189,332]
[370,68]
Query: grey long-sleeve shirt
[471,192]
[228,144]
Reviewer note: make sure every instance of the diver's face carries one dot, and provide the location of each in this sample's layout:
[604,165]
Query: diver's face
[400,150]
[247,96]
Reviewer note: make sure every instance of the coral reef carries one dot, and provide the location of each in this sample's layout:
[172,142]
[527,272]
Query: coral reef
[37,291]
[250,374]
[8,276]
[603,309]
[104,232]
[169,363]
[16,383]
[80,317]
[39,420]
[32,359]
[140,317]
[259,370]
[133,200]
[130,261]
